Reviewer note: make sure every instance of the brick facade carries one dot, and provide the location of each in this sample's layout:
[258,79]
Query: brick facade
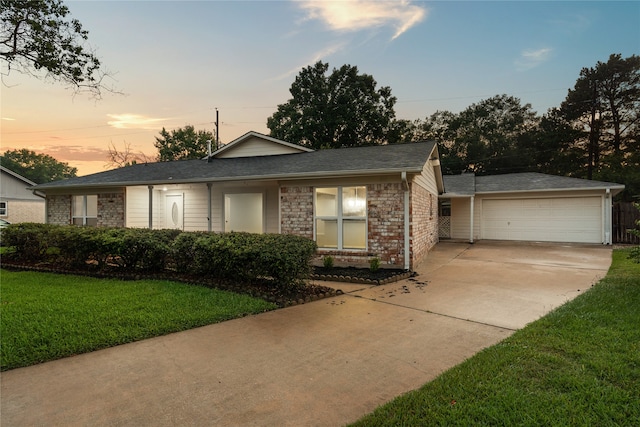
[24,210]
[424,222]
[59,210]
[111,210]
[296,210]
[385,210]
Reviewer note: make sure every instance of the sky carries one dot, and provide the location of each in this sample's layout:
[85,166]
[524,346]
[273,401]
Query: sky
[174,63]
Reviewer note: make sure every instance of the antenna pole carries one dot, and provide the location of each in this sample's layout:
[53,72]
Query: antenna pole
[217,130]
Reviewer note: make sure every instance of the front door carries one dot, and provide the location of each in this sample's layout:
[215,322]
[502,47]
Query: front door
[173,215]
[243,212]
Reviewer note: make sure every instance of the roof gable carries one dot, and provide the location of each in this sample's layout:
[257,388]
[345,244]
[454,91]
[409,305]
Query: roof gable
[256,144]
[17,176]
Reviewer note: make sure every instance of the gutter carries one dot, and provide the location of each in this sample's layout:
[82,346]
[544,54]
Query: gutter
[405,187]
[35,193]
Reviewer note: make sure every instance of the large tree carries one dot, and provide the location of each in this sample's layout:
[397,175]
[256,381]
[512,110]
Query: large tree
[38,38]
[183,143]
[39,168]
[604,105]
[340,109]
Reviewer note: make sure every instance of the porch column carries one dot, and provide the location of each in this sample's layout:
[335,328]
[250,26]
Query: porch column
[471,219]
[150,206]
[209,206]
[608,223]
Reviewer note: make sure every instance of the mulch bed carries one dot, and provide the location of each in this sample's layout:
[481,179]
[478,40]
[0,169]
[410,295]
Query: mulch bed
[262,289]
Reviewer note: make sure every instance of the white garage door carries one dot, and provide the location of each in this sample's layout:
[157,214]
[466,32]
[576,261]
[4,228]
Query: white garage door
[576,219]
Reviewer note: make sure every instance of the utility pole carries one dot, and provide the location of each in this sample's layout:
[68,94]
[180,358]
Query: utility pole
[217,130]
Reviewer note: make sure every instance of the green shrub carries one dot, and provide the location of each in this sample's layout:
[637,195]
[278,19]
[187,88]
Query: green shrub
[327,262]
[374,264]
[30,240]
[75,245]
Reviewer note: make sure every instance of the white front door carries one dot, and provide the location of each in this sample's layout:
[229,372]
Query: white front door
[244,212]
[173,215]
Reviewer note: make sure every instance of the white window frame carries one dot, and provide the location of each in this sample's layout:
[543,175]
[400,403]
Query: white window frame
[85,217]
[4,208]
[340,218]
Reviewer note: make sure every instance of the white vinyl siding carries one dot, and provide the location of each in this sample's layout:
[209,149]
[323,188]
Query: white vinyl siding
[257,147]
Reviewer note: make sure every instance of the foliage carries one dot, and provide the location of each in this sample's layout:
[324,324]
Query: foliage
[604,106]
[578,365]
[183,143]
[342,109]
[47,316]
[39,168]
[38,38]
[284,260]
[327,261]
[374,264]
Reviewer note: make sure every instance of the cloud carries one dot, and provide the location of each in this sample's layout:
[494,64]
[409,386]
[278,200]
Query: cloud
[133,121]
[532,58]
[8,119]
[359,15]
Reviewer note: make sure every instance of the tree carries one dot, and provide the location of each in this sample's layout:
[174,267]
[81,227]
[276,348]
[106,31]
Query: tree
[605,105]
[342,109]
[125,157]
[39,168]
[36,37]
[183,143]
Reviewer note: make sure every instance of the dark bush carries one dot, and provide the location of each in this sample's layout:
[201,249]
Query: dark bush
[76,245]
[31,241]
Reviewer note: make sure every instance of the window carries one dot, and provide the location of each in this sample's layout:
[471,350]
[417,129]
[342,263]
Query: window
[85,210]
[3,208]
[341,217]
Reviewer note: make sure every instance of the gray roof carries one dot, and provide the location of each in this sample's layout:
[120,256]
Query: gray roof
[469,184]
[322,163]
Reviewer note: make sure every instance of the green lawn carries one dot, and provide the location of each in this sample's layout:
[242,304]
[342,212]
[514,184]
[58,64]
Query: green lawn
[577,366]
[47,316]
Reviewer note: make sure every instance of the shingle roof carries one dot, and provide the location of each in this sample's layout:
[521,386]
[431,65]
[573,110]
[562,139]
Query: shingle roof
[469,184]
[345,161]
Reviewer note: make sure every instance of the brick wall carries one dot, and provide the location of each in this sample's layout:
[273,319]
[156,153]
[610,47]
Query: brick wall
[385,204]
[296,210]
[424,222]
[24,210]
[111,210]
[59,210]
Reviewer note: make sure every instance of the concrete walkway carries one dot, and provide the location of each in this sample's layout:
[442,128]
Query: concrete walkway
[326,363]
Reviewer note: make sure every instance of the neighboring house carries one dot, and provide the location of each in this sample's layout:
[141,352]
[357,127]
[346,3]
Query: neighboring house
[527,207]
[17,202]
[356,203]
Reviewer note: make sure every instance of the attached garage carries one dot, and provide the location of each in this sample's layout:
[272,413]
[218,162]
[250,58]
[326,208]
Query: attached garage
[571,219]
[527,207]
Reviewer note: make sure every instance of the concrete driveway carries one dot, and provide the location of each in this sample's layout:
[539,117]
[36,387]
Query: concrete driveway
[326,363]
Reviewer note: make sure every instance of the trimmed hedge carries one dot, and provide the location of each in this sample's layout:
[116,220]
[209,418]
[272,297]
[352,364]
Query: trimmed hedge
[282,259]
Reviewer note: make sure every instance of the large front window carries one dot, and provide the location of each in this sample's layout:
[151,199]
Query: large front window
[341,217]
[85,210]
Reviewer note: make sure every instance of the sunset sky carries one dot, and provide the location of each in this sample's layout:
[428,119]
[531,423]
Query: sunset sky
[177,61]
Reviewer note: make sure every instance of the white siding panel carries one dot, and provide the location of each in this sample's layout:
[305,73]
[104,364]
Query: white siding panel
[572,219]
[257,147]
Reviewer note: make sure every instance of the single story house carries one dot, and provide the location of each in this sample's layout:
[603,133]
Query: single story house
[17,202]
[356,203]
[527,207]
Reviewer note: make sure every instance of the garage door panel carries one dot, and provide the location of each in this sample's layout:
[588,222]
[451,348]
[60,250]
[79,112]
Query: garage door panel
[577,219]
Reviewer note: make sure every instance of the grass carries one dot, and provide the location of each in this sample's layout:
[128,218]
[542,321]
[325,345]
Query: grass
[46,316]
[579,365]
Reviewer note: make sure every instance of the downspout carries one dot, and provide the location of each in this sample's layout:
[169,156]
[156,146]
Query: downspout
[150,206]
[608,226]
[209,206]
[405,187]
[471,221]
